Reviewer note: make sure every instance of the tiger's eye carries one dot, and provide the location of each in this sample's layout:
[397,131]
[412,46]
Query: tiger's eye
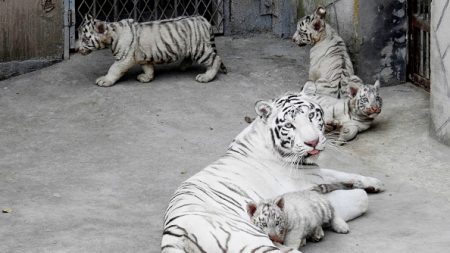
[289,125]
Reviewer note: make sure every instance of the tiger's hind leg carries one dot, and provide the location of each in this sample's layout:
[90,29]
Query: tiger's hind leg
[148,75]
[349,204]
[213,64]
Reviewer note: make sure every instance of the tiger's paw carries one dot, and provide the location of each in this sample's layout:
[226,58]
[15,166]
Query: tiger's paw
[203,78]
[144,78]
[103,81]
[286,249]
[369,184]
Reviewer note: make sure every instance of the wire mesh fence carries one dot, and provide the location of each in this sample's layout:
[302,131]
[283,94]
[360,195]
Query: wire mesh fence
[148,10]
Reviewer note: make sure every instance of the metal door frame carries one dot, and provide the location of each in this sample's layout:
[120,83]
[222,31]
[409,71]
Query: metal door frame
[69,27]
[419,43]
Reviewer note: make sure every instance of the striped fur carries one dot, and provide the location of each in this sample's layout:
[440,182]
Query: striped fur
[275,154]
[296,216]
[327,188]
[187,39]
[329,58]
[351,115]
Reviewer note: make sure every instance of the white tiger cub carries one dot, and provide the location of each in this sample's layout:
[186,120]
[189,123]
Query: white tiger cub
[165,41]
[351,115]
[329,58]
[275,154]
[293,217]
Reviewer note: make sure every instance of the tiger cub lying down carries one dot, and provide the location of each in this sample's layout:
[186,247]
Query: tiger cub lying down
[350,115]
[189,39]
[293,217]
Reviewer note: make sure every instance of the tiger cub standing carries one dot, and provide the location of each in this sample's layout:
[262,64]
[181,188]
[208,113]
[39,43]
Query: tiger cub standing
[293,217]
[351,115]
[165,41]
[329,58]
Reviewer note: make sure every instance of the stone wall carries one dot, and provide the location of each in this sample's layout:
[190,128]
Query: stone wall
[440,69]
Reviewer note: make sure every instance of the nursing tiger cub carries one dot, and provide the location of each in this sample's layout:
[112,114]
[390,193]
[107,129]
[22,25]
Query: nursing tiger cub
[293,217]
[329,58]
[274,155]
[150,43]
[351,115]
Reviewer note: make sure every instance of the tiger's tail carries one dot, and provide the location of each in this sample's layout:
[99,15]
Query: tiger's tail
[327,188]
[212,40]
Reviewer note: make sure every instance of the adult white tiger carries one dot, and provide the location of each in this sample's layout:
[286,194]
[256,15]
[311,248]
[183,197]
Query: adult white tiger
[275,154]
[165,41]
[329,58]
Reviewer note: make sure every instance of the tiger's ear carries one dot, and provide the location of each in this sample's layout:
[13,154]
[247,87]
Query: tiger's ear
[377,84]
[251,209]
[88,17]
[319,18]
[321,12]
[100,26]
[309,88]
[280,202]
[263,108]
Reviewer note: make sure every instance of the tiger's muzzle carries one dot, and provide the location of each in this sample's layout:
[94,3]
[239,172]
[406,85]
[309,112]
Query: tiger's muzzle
[298,42]
[276,238]
[372,111]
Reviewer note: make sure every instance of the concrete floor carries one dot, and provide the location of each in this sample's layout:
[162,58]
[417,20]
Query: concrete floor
[90,169]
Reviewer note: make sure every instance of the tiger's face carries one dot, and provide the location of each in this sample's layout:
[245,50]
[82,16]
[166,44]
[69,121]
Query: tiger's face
[93,34]
[269,216]
[366,99]
[296,127]
[311,28]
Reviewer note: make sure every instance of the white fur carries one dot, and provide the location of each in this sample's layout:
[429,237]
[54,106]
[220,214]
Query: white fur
[209,209]
[152,43]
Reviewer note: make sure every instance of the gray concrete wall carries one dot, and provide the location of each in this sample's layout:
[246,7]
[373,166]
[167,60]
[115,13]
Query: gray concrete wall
[245,17]
[440,70]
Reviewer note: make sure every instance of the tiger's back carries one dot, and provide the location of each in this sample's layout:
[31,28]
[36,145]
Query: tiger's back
[329,58]
[183,37]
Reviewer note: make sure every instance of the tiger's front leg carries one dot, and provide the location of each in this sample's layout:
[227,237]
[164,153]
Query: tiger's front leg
[356,181]
[148,75]
[115,72]
[348,132]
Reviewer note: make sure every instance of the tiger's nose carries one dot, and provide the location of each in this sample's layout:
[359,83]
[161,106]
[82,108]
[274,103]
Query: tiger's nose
[312,143]
[275,238]
[374,109]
